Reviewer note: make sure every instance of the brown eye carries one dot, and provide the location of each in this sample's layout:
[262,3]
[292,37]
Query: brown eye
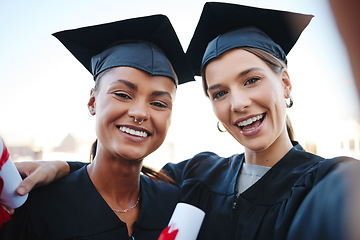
[159,104]
[122,95]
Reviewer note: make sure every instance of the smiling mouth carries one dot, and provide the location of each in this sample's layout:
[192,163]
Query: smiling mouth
[251,123]
[134,132]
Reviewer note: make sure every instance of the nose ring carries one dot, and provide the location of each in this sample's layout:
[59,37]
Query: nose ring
[137,121]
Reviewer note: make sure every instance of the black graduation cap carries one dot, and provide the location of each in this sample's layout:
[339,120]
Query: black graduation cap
[147,43]
[238,26]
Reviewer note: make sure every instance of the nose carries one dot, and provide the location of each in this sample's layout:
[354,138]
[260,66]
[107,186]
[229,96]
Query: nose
[139,112]
[240,101]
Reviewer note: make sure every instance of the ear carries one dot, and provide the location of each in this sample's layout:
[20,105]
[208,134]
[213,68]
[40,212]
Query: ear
[286,83]
[91,103]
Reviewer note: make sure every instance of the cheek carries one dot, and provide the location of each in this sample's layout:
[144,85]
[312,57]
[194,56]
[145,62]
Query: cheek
[162,123]
[110,111]
[220,109]
[103,118]
[268,95]
[276,103]
[279,100]
[106,111]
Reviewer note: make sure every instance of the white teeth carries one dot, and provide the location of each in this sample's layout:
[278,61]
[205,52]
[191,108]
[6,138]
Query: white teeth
[133,132]
[250,120]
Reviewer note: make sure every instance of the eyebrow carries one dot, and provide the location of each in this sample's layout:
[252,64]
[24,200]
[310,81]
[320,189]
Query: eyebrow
[241,74]
[161,93]
[127,83]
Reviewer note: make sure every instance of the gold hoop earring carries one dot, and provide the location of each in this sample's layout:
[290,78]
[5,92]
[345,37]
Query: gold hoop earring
[290,103]
[218,127]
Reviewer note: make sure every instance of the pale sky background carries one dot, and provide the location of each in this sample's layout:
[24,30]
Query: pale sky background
[44,90]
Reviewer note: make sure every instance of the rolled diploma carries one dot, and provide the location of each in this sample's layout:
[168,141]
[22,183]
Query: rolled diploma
[187,219]
[12,179]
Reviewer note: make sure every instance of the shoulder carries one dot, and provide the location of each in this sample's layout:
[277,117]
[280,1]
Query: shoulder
[207,170]
[210,163]
[308,163]
[157,187]
[315,166]
[319,168]
[336,165]
[52,209]
[70,191]
[200,164]
[65,185]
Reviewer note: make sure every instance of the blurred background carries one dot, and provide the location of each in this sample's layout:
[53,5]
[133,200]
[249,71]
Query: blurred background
[44,90]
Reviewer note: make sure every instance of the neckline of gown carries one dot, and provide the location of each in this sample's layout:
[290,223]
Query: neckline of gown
[278,181]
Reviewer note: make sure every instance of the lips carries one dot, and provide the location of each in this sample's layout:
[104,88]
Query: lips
[251,123]
[134,131]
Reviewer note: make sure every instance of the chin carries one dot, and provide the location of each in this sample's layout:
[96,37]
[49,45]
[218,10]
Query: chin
[256,146]
[133,155]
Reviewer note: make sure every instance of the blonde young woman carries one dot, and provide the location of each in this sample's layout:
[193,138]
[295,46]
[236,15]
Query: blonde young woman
[270,190]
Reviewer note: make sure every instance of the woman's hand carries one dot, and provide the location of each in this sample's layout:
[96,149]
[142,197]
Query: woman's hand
[37,173]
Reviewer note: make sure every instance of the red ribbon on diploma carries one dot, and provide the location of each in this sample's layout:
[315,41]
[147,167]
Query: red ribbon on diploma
[166,235]
[4,215]
[4,156]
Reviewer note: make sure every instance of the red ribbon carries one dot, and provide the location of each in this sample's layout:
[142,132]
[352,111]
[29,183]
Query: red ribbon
[4,156]
[4,215]
[166,235]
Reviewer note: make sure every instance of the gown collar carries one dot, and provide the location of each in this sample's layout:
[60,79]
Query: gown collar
[282,176]
[151,191]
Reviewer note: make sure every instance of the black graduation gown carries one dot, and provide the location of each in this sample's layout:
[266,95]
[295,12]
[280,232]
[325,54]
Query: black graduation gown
[72,208]
[265,210]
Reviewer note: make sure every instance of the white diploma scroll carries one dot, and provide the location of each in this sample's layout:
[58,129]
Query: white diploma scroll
[12,179]
[187,219]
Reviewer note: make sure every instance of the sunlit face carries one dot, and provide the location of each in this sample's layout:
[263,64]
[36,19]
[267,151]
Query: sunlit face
[248,98]
[124,94]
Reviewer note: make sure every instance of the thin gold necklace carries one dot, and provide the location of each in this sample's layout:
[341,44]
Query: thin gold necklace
[128,209]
